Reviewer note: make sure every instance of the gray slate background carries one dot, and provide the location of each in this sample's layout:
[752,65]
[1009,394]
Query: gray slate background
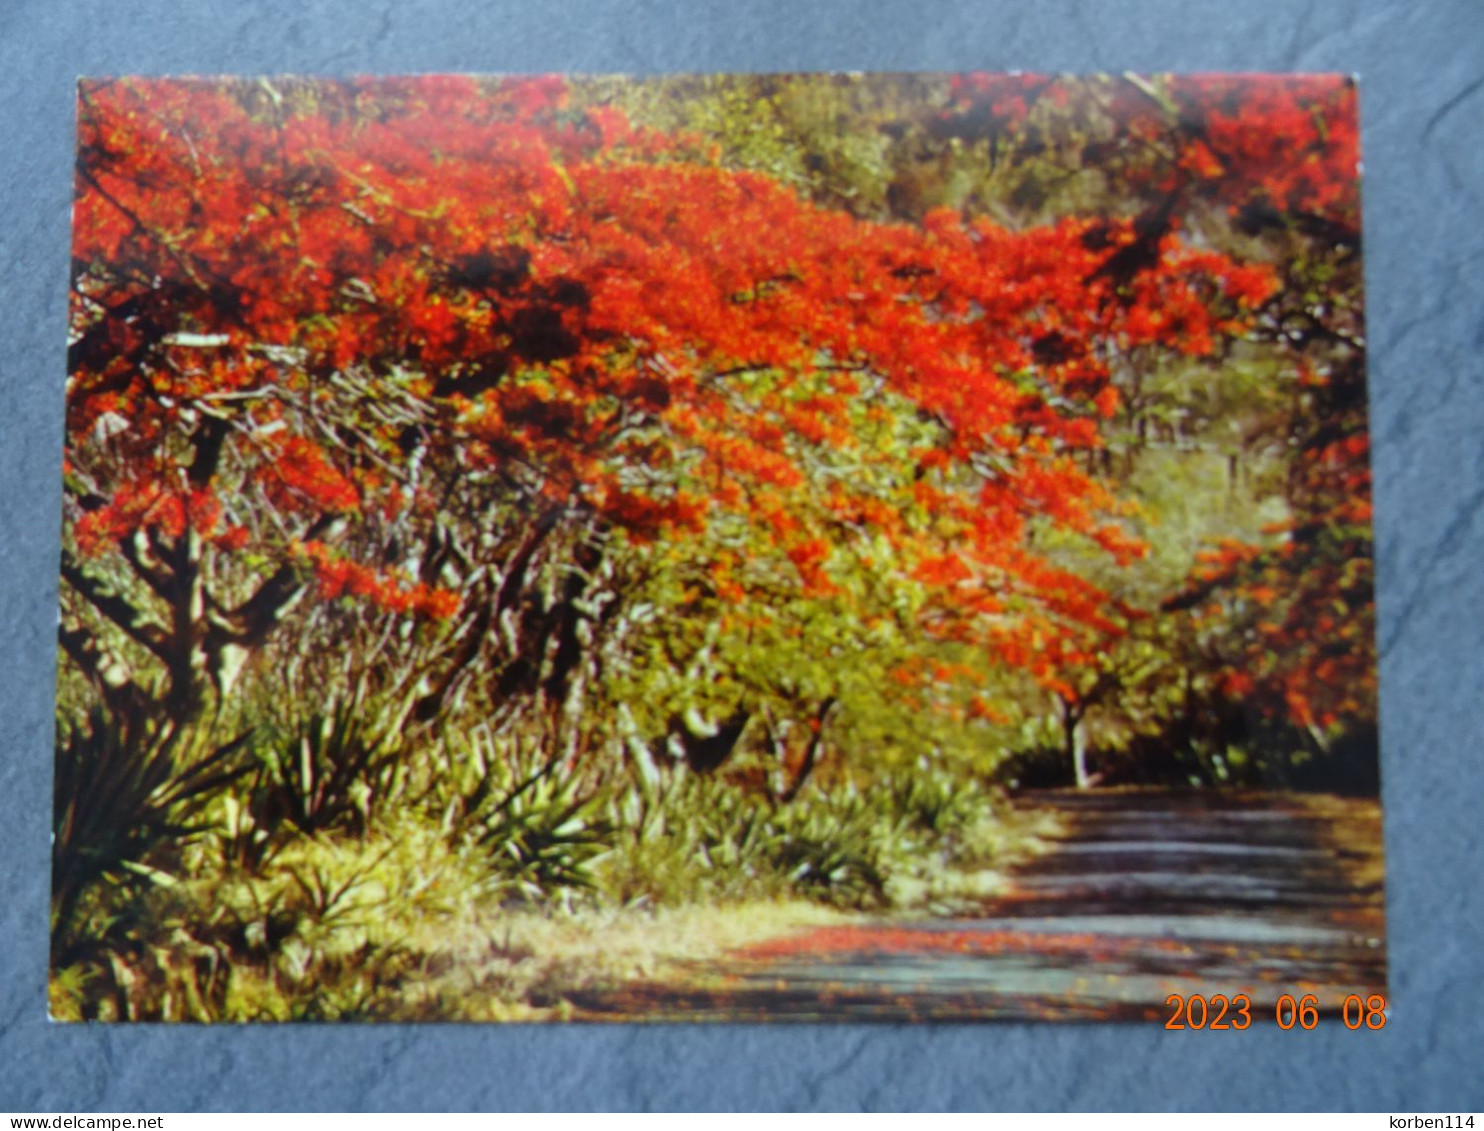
[1422,99]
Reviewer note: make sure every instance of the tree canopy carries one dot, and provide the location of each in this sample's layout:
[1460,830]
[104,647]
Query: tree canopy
[706,492]
[629,410]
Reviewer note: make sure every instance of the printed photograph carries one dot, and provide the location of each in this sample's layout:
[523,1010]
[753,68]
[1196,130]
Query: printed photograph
[820,547]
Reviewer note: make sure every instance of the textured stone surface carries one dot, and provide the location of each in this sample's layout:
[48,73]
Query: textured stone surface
[1422,69]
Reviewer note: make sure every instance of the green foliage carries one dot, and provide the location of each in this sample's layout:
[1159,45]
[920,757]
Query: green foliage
[544,833]
[127,787]
[692,838]
[939,805]
[702,838]
[332,769]
[331,928]
[838,849]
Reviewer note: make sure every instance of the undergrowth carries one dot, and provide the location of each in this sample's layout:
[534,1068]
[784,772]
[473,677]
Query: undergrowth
[308,875]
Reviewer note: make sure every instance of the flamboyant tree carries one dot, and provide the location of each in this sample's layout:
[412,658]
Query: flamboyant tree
[1270,171]
[1285,166]
[490,365]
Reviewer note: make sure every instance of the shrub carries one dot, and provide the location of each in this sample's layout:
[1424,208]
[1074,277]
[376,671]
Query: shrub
[538,821]
[333,770]
[127,785]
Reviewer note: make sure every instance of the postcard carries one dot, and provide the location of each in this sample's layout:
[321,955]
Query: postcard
[721,547]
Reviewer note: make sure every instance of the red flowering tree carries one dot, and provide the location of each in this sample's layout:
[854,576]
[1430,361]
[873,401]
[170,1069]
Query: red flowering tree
[1285,167]
[471,369]
[1267,170]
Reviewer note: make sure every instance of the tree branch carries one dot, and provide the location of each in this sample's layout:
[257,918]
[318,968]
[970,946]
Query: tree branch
[249,624]
[116,608]
[102,667]
[152,574]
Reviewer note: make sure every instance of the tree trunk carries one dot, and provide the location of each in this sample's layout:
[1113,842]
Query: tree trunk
[811,751]
[1079,758]
[1074,745]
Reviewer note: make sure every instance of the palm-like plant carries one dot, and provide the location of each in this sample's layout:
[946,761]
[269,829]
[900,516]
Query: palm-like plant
[338,764]
[127,783]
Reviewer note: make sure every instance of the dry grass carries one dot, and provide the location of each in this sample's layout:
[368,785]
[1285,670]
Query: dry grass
[522,964]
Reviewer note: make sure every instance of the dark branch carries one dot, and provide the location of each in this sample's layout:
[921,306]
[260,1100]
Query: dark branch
[116,608]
